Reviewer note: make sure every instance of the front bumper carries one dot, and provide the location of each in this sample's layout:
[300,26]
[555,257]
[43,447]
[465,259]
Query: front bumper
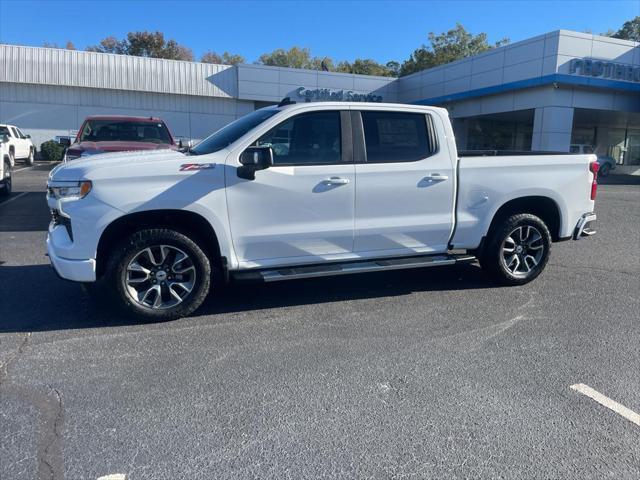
[583,228]
[76,270]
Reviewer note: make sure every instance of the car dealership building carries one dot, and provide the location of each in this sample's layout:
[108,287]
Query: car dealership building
[547,93]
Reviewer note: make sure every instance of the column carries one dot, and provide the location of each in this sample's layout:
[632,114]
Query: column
[552,128]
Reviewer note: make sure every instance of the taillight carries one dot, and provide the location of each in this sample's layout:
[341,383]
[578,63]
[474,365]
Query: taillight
[594,167]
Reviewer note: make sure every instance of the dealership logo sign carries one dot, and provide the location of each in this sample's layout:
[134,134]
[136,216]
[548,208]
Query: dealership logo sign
[327,94]
[601,68]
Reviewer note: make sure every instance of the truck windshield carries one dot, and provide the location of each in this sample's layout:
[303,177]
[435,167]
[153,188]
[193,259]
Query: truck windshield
[124,131]
[230,133]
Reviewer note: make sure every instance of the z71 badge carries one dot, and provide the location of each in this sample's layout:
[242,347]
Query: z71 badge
[188,167]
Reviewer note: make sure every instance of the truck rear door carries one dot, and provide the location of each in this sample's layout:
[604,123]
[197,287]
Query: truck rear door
[405,183]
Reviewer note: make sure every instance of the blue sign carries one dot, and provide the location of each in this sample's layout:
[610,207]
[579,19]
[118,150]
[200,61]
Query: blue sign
[601,68]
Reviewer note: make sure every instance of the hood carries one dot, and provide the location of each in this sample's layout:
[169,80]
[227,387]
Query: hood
[87,168]
[120,146]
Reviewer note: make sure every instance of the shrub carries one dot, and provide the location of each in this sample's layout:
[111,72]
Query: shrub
[51,151]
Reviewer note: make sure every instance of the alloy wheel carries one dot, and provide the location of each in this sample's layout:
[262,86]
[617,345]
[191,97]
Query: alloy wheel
[522,250]
[7,176]
[160,277]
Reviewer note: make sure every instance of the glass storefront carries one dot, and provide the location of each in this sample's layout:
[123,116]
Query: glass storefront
[500,131]
[612,134]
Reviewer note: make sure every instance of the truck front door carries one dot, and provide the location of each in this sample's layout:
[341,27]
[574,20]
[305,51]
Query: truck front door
[405,184]
[301,209]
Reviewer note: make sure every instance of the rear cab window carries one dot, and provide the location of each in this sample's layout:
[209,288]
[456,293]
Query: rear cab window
[396,136]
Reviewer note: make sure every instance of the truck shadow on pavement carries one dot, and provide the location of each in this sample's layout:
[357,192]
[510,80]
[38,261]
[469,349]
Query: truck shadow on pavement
[62,305]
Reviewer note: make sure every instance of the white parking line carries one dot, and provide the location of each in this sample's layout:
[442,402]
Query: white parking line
[113,476]
[605,401]
[21,169]
[11,199]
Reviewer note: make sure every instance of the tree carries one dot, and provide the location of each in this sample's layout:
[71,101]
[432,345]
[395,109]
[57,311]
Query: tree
[630,30]
[110,45]
[232,58]
[68,46]
[447,47]
[393,68]
[144,44]
[225,59]
[367,66]
[295,57]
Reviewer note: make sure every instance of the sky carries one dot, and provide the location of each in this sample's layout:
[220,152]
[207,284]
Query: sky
[342,30]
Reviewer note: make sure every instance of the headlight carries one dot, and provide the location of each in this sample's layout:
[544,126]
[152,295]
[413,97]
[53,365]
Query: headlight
[69,190]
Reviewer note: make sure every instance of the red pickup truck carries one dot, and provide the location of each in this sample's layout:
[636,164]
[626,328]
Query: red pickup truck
[102,134]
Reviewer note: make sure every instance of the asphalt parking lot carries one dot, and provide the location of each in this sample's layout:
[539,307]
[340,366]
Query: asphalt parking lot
[432,373]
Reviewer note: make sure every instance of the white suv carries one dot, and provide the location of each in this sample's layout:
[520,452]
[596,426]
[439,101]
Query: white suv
[20,145]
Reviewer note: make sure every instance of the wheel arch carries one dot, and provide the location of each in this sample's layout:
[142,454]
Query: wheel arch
[543,207]
[187,222]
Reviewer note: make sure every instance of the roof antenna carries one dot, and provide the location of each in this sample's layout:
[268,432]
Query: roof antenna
[286,101]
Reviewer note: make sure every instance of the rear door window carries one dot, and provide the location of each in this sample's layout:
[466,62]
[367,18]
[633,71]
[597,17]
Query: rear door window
[395,136]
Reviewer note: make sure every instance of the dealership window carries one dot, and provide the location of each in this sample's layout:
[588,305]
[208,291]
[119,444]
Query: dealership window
[612,134]
[395,137]
[307,139]
[500,131]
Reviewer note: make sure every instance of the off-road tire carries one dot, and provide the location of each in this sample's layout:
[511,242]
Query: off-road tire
[115,278]
[494,253]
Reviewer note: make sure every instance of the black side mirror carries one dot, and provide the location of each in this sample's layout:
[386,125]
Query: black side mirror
[185,144]
[254,159]
[64,141]
[27,136]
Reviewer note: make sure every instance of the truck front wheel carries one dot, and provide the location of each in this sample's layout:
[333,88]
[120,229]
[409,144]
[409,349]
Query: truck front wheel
[159,274]
[517,249]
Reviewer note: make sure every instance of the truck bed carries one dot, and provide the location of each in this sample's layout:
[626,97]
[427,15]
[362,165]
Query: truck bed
[490,179]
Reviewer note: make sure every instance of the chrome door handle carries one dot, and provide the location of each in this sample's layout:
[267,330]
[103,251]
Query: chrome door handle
[336,181]
[436,177]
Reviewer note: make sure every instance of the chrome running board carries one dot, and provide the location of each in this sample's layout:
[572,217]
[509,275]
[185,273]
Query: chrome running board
[345,268]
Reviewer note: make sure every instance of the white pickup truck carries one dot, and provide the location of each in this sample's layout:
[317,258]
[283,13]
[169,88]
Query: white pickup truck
[6,165]
[20,145]
[306,190]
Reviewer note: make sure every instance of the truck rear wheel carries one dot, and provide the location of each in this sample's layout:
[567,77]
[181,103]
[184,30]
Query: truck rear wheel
[30,158]
[159,274]
[517,249]
[5,188]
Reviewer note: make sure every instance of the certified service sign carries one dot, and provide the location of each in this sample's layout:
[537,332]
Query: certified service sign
[329,95]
